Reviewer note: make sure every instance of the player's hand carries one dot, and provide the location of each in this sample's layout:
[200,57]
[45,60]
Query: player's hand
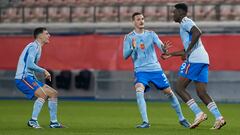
[134,44]
[166,46]
[165,56]
[47,75]
[184,56]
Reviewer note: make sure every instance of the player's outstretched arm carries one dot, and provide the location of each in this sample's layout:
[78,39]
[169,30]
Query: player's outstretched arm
[165,46]
[162,46]
[170,54]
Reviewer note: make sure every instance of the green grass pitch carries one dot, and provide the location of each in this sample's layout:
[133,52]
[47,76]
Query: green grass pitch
[111,118]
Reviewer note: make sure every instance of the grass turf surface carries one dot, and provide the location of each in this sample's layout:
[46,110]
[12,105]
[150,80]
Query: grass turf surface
[111,118]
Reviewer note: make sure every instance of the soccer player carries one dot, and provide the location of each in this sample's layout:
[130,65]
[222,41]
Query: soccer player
[194,68]
[139,44]
[28,84]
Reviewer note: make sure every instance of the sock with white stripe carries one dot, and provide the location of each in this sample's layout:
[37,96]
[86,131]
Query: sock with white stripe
[214,110]
[194,107]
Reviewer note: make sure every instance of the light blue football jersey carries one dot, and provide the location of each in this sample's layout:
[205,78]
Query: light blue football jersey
[144,56]
[199,54]
[27,63]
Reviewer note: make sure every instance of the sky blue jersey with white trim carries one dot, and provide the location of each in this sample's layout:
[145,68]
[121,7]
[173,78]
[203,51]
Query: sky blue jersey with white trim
[144,56]
[27,63]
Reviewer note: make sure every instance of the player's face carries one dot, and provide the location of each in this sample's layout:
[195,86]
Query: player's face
[176,15]
[139,21]
[45,37]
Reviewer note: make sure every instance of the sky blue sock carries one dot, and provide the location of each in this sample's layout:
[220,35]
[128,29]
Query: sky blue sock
[52,105]
[142,106]
[37,107]
[194,107]
[176,106]
[214,110]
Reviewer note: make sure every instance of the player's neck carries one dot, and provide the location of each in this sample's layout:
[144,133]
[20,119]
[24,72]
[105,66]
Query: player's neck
[40,42]
[139,31]
[182,18]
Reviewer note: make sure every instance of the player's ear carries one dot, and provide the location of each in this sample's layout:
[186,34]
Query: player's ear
[40,35]
[183,13]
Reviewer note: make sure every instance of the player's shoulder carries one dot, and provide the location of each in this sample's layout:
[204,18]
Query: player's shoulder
[186,20]
[33,45]
[132,33]
[129,35]
[149,32]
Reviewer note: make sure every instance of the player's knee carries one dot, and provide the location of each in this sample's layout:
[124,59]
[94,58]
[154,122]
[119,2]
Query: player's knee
[168,92]
[39,94]
[139,87]
[54,93]
[41,99]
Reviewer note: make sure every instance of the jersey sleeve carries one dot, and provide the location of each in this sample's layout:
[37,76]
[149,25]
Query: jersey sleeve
[32,53]
[127,47]
[188,24]
[157,41]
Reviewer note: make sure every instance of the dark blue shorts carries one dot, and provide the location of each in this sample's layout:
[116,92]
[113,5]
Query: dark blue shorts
[194,71]
[28,86]
[157,78]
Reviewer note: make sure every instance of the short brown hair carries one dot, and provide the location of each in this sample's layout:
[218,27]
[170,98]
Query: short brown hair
[38,31]
[135,14]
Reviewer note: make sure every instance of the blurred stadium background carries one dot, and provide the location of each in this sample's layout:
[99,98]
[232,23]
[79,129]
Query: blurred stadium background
[85,53]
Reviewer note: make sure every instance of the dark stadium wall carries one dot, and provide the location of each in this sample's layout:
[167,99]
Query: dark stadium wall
[104,52]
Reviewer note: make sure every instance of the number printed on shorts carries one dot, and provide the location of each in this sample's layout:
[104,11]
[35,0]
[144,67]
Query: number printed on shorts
[183,66]
[165,78]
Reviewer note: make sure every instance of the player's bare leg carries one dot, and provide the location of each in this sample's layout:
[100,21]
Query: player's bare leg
[211,105]
[202,93]
[181,91]
[182,84]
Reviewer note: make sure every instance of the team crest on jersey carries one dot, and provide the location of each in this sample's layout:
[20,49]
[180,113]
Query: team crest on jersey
[142,46]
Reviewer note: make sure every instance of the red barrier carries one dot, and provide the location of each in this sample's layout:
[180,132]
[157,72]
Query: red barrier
[104,52]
